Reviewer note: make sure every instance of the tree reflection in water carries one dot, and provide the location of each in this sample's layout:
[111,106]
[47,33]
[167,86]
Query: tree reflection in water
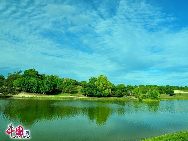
[29,112]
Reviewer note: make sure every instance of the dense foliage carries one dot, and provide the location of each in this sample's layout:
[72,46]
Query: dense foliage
[32,82]
[99,87]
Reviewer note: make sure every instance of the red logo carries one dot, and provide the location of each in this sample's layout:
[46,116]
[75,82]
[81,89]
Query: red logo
[18,132]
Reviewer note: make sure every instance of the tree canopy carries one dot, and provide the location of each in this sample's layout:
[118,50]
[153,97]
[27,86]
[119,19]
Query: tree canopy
[32,81]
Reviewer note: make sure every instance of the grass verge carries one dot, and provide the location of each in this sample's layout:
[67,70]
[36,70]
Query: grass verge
[65,96]
[69,97]
[179,136]
[178,96]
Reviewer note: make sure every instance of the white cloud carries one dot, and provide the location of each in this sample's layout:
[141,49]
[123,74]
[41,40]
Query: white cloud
[124,40]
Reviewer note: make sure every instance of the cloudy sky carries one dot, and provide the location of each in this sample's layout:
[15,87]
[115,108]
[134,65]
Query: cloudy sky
[130,41]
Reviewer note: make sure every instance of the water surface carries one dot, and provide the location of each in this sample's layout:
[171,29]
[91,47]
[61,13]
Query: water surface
[90,120]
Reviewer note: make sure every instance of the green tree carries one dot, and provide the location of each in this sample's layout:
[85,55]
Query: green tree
[9,83]
[89,89]
[28,82]
[137,92]
[2,79]
[120,90]
[52,84]
[153,94]
[169,90]
[31,73]
[69,85]
[100,87]
[104,86]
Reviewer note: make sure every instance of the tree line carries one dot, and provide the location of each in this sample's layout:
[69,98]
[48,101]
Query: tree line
[32,81]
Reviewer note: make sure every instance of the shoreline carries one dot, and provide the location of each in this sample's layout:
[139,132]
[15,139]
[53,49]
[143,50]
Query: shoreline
[82,97]
[71,97]
[180,136]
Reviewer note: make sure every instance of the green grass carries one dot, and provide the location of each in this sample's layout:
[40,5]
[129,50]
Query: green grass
[180,136]
[66,96]
[185,90]
[181,96]
[62,96]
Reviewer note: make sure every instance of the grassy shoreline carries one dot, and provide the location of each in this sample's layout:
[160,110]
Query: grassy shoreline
[69,97]
[82,97]
[178,136]
[177,96]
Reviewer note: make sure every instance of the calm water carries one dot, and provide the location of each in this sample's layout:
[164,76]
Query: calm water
[93,121]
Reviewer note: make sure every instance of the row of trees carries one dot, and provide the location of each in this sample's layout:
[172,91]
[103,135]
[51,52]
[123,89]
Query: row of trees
[33,82]
[102,87]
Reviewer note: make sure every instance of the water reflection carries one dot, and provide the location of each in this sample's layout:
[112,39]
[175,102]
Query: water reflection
[29,112]
[99,114]
[92,120]
[153,106]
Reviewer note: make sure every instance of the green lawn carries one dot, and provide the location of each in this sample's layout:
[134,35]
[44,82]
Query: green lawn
[66,96]
[180,136]
[180,96]
[176,96]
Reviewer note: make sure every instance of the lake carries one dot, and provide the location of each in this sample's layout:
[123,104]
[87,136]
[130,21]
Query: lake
[78,120]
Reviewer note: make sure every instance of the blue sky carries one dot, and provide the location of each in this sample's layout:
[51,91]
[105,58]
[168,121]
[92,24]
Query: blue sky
[130,41]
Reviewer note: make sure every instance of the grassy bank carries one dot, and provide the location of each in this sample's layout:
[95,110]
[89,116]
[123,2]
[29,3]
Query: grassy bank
[65,96]
[178,96]
[180,136]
